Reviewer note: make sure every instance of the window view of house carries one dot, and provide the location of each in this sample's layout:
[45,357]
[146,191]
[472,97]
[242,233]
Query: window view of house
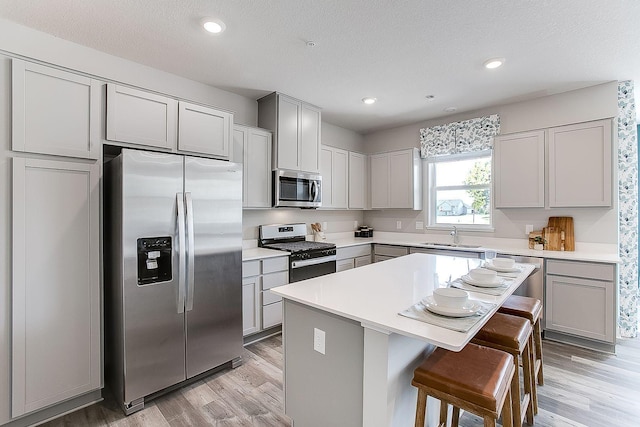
[461,190]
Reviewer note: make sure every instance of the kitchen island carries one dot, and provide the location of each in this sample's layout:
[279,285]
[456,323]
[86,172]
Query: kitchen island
[349,355]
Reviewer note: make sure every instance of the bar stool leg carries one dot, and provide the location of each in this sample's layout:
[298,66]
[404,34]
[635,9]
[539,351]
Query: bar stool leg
[515,395]
[421,407]
[443,413]
[532,364]
[507,413]
[537,332]
[529,380]
[455,417]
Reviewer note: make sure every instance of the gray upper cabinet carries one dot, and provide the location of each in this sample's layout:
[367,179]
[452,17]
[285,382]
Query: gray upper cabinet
[138,117]
[519,170]
[56,318]
[296,131]
[54,112]
[357,180]
[580,165]
[252,148]
[396,180]
[204,130]
[334,170]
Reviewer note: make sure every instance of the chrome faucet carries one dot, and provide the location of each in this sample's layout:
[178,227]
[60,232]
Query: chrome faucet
[454,233]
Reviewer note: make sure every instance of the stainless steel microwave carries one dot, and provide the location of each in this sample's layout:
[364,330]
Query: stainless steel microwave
[296,189]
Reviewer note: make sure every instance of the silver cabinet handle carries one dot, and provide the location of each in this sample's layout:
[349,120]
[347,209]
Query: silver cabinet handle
[191,252]
[182,262]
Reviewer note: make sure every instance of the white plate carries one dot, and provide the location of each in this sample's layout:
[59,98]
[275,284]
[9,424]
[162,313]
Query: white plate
[495,284]
[490,266]
[469,309]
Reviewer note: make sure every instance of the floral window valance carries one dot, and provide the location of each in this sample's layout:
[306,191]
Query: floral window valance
[459,137]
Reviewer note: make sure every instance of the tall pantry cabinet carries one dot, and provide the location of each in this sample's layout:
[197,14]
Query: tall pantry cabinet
[50,195]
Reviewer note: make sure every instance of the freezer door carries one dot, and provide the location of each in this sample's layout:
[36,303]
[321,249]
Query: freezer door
[213,197]
[153,320]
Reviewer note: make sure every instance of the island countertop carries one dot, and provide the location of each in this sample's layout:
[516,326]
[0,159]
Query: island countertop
[374,295]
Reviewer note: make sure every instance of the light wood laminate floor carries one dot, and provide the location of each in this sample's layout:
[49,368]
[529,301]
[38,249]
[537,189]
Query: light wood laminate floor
[582,388]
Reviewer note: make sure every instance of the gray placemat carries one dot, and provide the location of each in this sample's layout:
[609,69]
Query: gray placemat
[460,284]
[461,324]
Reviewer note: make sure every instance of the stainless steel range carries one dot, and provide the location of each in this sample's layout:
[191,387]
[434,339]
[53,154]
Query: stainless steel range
[307,259]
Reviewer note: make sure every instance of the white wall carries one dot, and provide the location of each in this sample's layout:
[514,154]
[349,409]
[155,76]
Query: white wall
[338,137]
[595,225]
[17,40]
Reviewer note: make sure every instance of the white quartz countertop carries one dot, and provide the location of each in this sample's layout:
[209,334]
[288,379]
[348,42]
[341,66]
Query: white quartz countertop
[593,252]
[261,253]
[374,294]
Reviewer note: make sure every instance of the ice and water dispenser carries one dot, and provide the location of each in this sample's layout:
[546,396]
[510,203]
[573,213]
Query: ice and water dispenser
[154,260]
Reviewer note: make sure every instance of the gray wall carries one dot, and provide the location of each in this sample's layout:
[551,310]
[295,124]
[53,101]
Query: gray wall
[595,225]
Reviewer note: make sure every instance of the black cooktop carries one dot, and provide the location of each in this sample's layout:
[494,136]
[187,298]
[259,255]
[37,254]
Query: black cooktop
[301,246]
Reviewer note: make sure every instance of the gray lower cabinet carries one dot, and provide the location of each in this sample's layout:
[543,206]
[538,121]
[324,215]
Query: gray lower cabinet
[581,299]
[262,309]
[353,257]
[385,252]
[56,317]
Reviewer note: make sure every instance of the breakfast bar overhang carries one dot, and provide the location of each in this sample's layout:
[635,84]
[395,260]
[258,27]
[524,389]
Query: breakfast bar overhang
[349,355]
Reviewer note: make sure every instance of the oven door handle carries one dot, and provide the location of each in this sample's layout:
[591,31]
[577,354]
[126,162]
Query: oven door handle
[312,261]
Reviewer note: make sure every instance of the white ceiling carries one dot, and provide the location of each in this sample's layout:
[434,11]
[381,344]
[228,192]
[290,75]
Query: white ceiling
[397,51]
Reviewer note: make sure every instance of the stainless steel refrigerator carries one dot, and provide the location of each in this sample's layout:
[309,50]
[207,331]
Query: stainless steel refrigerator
[173,270]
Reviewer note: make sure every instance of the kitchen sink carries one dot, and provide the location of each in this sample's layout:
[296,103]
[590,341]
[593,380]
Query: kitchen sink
[452,245]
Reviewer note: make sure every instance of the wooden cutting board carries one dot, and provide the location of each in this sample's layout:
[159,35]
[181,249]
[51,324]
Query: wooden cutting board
[564,223]
[552,236]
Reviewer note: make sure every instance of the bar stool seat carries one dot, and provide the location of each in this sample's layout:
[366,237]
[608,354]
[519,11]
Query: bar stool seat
[477,379]
[529,308]
[512,334]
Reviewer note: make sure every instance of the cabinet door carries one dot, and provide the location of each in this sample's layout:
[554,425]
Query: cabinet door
[339,179]
[580,165]
[56,282]
[326,168]
[580,307]
[204,130]
[271,315]
[357,190]
[519,170]
[400,179]
[310,139]
[379,181]
[287,145]
[140,117]
[257,169]
[362,260]
[345,264]
[54,112]
[251,305]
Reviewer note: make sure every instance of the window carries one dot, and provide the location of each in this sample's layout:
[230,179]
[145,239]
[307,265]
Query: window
[460,190]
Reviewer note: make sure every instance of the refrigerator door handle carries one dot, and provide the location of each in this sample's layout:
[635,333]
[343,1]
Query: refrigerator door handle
[181,253]
[191,252]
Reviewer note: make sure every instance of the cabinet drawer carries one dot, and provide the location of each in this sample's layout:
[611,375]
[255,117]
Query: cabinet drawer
[270,265]
[271,315]
[587,270]
[251,268]
[378,258]
[269,297]
[353,251]
[392,251]
[275,279]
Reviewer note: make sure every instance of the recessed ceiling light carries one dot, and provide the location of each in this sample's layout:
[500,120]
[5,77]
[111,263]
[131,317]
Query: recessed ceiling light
[214,26]
[493,63]
[369,100]
[430,97]
[450,109]
[311,43]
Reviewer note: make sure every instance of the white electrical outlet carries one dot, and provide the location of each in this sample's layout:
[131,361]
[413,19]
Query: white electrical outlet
[399,225]
[419,225]
[355,225]
[528,229]
[324,226]
[318,340]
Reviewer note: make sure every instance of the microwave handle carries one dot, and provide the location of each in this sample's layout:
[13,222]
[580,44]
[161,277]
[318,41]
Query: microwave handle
[314,191]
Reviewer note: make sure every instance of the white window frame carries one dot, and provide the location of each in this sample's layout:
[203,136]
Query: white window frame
[432,189]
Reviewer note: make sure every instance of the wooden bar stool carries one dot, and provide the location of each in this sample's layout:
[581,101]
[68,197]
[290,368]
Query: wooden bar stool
[513,334]
[477,379]
[530,308]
